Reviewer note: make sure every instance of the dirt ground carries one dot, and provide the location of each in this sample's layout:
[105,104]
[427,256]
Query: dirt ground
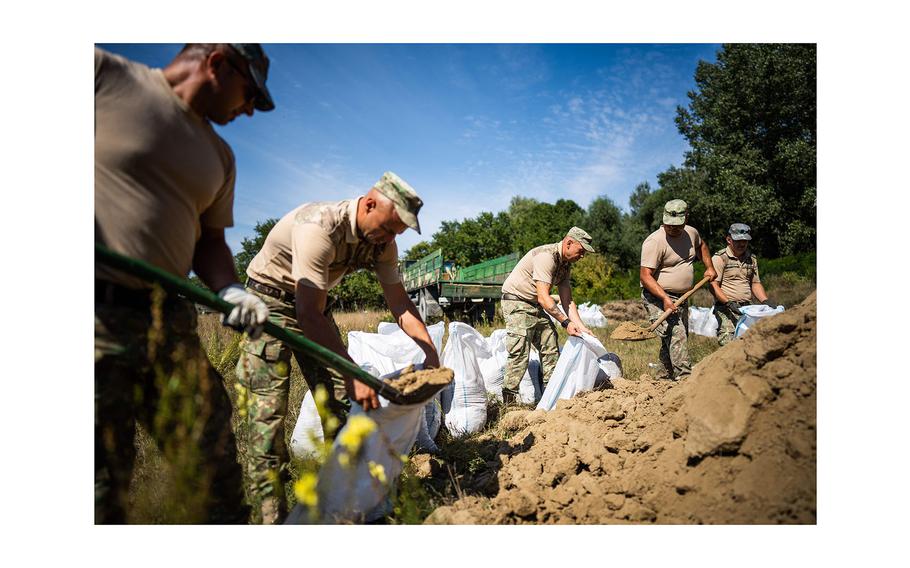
[733,443]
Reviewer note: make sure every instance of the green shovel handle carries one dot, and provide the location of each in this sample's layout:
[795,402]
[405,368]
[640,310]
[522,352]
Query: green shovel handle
[199,295]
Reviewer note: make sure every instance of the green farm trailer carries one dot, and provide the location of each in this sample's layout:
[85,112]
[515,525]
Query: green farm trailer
[439,288]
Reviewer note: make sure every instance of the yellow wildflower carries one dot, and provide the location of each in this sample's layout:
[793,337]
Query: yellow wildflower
[377,471]
[355,432]
[344,459]
[305,489]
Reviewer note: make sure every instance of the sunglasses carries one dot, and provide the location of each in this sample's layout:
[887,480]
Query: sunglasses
[250,91]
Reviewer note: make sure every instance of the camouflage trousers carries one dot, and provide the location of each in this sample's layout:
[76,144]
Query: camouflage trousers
[726,322]
[673,332]
[151,371]
[262,421]
[528,325]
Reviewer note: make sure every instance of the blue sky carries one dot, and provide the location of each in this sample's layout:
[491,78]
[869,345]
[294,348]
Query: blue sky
[469,126]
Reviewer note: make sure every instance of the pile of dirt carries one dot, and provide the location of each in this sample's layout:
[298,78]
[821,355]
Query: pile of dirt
[628,331]
[410,380]
[624,310]
[733,443]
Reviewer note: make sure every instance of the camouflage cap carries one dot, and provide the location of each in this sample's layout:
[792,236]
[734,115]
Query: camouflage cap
[675,212]
[740,232]
[407,202]
[259,70]
[582,237]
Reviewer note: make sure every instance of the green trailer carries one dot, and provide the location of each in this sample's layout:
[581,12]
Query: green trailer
[439,288]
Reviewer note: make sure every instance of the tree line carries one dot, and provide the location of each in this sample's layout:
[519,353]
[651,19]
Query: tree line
[751,128]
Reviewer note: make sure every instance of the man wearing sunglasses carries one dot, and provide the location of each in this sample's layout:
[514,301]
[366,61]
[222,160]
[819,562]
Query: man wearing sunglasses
[306,254]
[164,193]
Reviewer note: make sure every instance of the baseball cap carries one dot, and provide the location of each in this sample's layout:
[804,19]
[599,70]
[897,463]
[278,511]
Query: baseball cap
[407,202]
[259,71]
[675,212]
[582,237]
[740,232]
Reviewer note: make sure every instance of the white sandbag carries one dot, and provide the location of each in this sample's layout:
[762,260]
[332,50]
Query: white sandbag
[530,389]
[702,321]
[493,368]
[576,371]
[391,349]
[609,363]
[356,488]
[464,402]
[307,436]
[430,422]
[751,315]
[591,315]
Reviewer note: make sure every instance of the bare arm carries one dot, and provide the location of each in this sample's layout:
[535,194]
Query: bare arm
[706,259]
[565,297]
[315,326]
[549,305]
[212,260]
[759,292]
[409,321]
[646,275]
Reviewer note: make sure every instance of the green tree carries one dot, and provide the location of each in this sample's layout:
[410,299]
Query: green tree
[250,247]
[751,126]
[534,223]
[419,250]
[474,240]
[359,290]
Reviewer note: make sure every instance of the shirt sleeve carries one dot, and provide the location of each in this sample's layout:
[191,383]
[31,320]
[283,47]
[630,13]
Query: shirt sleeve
[649,256]
[543,268]
[387,265]
[755,278]
[718,263]
[312,251]
[220,213]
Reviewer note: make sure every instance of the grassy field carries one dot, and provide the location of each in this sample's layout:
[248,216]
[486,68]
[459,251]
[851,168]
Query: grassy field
[463,462]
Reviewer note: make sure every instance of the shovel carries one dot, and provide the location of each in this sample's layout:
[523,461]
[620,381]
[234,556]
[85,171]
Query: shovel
[408,386]
[628,331]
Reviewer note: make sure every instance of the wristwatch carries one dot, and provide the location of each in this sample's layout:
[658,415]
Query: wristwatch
[565,323]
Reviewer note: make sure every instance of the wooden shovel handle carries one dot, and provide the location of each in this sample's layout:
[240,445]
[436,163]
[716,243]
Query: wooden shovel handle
[677,303]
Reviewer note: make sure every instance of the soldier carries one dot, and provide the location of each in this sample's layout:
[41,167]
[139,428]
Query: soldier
[305,255]
[737,281]
[164,192]
[526,301]
[666,273]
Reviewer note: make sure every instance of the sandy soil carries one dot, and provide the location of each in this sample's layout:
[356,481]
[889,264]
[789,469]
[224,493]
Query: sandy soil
[410,381]
[733,443]
[624,310]
[629,331]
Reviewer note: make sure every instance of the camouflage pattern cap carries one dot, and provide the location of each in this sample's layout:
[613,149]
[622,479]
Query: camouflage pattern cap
[407,202]
[740,232]
[675,212]
[582,237]
[259,70]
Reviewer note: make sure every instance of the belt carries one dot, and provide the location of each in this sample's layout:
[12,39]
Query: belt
[276,293]
[117,295]
[507,296]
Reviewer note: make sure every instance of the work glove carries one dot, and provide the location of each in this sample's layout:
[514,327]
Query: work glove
[250,313]
[734,308]
[770,303]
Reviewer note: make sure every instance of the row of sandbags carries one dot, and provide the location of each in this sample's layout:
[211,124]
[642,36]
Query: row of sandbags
[703,322]
[355,488]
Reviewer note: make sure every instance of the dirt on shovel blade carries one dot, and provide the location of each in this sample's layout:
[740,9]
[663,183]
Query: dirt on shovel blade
[630,331]
[411,381]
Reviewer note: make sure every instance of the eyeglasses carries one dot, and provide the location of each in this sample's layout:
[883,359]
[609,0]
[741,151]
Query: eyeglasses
[249,92]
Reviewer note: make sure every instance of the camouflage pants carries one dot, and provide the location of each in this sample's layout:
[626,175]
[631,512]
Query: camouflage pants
[673,332]
[263,375]
[528,325]
[726,323]
[151,370]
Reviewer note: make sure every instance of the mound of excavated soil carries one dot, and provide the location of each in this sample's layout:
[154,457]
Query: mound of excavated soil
[624,310]
[733,443]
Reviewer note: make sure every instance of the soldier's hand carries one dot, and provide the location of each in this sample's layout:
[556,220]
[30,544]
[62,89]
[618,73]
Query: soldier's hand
[361,394]
[711,274]
[770,303]
[249,314]
[734,308]
[573,329]
[668,305]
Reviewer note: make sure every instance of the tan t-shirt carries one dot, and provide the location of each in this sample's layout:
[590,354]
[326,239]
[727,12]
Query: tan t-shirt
[317,244]
[541,264]
[735,275]
[161,171]
[673,257]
